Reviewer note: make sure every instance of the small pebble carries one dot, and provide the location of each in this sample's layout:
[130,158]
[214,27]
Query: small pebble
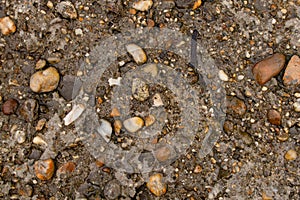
[40,64]
[112,190]
[20,136]
[44,81]
[29,110]
[292,72]
[39,141]
[296,106]
[138,54]
[116,81]
[143,5]
[115,112]
[236,106]
[67,167]
[197,4]
[40,125]
[274,117]
[7,26]
[149,120]
[44,169]
[78,31]
[133,124]
[223,76]
[140,90]
[74,114]
[117,127]
[290,155]
[264,70]
[105,129]
[10,106]
[198,169]
[50,4]
[66,9]
[156,185]
[163,153]
[157,101]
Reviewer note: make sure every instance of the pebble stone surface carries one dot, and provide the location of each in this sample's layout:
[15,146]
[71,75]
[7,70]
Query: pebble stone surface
[46,46]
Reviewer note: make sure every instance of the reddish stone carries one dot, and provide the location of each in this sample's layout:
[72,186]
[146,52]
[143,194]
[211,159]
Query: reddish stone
[264,70]
[10,106]
[274,117]
[292,72]
[68,167]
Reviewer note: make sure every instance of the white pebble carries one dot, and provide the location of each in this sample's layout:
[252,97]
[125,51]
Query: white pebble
[138,54]
[157,101]
[105,129]
[74,114]
[78,31]
[143,5]
[112,81]
[20,136]
[296,106]
[39,141]
[133,124]
[223,76]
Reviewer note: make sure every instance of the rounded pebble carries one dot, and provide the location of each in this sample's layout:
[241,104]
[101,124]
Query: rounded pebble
[143,5]
[44,81]
[156,185]
[133,124]
[290,155]
[274,117]
[138,54]
[44,169]
[10,106]
[7,26]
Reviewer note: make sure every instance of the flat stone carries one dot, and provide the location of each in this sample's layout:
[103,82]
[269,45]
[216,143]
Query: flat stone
[74,114]
[137,53]
[163,153]
[105,129]
[44,81]
[292,72]
[157,101]
[10,106]
[66,9]
[152,69]
[274,117]
[156,185]
[133,124]
[69,87]
[7,26]
[67,167]
[143,5]
[140,90]
[264,70]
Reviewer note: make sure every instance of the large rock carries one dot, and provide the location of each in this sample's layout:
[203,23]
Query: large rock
[264,70]
[292,73]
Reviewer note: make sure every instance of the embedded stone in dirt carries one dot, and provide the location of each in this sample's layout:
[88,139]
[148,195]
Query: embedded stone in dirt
[7,26]
[29,110]
[162,154]
[264,70]
[185,3]
[117,127]
[67,167]
[140,90]
[292,72]
[44,169]
[236,106]
[44,81]
[137,53]
[156,185]
[143,5]
[274,117]
[149,120]
[66,9]
[10,106]
[133,124]
[40,64]
[290,155]
[74,114]
[69,87]
[152,69]
[112,190]
[105,129]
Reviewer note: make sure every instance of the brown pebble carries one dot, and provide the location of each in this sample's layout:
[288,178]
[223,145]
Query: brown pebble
[10,106]
[117,127]
[228,127]
[44,81]
[106,169]
[290,155]
[292,72]
[40,125]
[163,153]
[115,112]
[198,169]
[99,163]
[150,23]
[149,120]
[264,70]
[68,167]
[274,117]
[40,64]
[266,197]
[44,169]
[156,185]
[236,106]
[7,26]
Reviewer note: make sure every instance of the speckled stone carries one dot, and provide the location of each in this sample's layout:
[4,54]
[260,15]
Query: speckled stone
[7,26]
[292,72]
[156,185]
[44,169]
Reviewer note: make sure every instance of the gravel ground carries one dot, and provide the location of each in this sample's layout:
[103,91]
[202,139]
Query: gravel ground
[80,119]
